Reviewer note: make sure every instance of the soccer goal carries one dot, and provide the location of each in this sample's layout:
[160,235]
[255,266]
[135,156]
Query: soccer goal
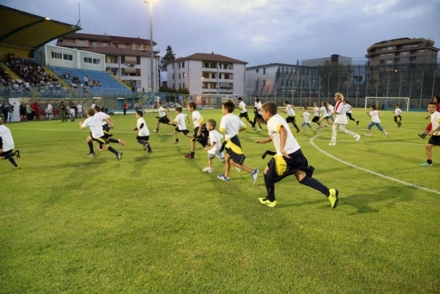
[387,103]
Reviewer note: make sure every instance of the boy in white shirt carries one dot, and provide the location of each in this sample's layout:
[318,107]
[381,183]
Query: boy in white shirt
[306,122]
[200,132]
[290,110]
[162,118]
[398,116]
[288,160]
[215,140]
[434,133]
[179,121]
[375,121]
[231,125]
[97,133]
[7,146]
[243,110]
[143,133]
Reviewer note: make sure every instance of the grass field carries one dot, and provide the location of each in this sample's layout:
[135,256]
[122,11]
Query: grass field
[154,223]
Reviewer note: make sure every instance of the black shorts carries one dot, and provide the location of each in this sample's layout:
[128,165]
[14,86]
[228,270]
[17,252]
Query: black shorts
[203,138]
[146,138]
[244,114]
[102,139]
[106,127]
[233,149]
[434,140]
[181,131]
[290,119]
[164,120]
[315,119]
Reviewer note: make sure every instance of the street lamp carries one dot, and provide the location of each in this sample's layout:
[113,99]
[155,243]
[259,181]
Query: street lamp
[149,3]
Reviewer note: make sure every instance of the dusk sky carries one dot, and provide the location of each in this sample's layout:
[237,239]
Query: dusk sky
[254,31]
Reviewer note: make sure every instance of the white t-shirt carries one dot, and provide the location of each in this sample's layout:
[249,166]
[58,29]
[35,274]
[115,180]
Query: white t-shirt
[316,111]
[49,108]
[347,108]
[273,127]
[197,119]
[435,121]
[79,108]
[375,116]
[180,119]
[324,112]
[306,117]
[216,137]
[397,111]
[258,105]
[230,125]
[101,115]
[95,125]
[330,109]
[162,112]
[8,142]
[242,107]
[290,110]
[144,131]
[341,116]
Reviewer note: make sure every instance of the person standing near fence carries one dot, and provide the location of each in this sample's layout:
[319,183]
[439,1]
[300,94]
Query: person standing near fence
[63,112]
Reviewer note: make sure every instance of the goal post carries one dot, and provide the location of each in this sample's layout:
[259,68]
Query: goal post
[387,103]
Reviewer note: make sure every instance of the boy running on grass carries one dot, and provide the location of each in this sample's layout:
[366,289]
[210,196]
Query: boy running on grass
[434,133]
[200,132]
[180,124]
[231,125]
[101,115]
[143,133]
[97,133]
[289,159]
[215,140]
[7,146]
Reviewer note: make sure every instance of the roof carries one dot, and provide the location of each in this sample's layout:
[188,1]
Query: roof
[119,51]
[209,57]
[19,28]
[106,38]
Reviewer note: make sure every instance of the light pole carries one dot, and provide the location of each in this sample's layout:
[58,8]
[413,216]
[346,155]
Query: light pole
[150,15]
[202,79]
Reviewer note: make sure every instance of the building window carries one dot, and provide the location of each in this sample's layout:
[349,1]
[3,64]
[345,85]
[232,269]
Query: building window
[389,61]
[127,45]
[56,55]
[404,53]
[257,70]
[68,57]
[96,61]
[422,51]
[104,44]
[138,47]
[87,60]
[183,64]
[389,48]
[82,43]
[264,71]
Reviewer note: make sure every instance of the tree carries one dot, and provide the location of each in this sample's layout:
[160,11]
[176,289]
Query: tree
[169,56]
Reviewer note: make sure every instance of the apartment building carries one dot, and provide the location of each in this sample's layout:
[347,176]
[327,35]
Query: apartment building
[127,58]
[207,74]
[333,59]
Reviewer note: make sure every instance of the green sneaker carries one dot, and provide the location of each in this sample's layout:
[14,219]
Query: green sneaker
[333,198]
[267,202]
[425,164]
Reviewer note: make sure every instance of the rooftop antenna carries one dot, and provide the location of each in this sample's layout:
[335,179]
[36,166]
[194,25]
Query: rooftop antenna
[78,24]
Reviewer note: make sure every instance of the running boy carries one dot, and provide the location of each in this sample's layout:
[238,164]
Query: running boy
[341,120]
[243,110]
[143,133]
[290,110]
[306,122]
[398,116]
[257,114]
[375,121]
[101,115]
[231,125]
[200,132]
[289,159]
[162,118]
[97,133]
[180,124]
[215,140]
[434,133]
[7,146]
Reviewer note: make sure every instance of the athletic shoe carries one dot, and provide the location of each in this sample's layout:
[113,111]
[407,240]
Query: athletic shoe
[99,147]
[259,129]
[238,169]
[91,154]
[189,156]
[145,146]
[149,151]
[267,202]
[423,136]
[332,143]
[16,167]
[298,131]
[121,142]
[254,175]
[358,137]
[333,198]
[207,170]
[156,131]
[176,142]
[223,178]
[357,122]
[17,154]
[119,156]
[386,135]
[425,164]
[368,134]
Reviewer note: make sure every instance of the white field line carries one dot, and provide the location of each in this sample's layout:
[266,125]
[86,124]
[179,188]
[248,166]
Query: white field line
[371,172]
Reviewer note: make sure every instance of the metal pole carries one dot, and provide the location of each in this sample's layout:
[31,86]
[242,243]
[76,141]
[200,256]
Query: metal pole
[150,8]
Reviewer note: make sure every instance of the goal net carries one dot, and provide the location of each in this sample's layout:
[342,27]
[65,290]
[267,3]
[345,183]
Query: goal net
[387,103]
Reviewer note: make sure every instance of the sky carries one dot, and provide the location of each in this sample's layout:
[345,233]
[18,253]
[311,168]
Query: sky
[255,31]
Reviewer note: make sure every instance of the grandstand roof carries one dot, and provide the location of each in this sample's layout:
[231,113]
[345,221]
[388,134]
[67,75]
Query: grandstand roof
[22,29]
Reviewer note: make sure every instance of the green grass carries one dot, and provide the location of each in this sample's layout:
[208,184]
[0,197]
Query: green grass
[154,223]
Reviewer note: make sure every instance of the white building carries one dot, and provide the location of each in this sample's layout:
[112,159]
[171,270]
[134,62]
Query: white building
[206,74]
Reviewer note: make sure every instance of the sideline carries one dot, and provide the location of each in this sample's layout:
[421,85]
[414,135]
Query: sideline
[369,171]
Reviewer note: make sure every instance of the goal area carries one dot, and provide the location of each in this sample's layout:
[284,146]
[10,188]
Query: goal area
[387,103]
